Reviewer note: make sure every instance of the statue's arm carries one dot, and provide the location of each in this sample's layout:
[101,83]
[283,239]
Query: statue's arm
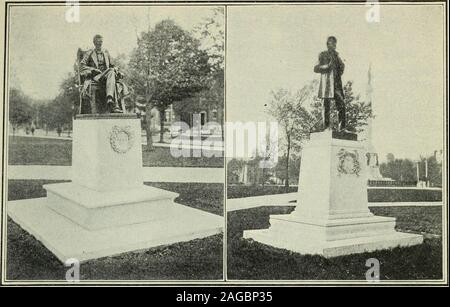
[322,68]
[85,69]
[341,66]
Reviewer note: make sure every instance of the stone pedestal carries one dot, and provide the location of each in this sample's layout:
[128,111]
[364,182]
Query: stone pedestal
[332,216]
[107,209]
[107,152]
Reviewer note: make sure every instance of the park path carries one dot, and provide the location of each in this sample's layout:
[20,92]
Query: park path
[286,199]
[234,204]
[151,174]
[195,144]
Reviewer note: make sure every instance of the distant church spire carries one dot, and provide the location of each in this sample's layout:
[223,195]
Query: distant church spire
[372,156]
[369,89]
[369,97]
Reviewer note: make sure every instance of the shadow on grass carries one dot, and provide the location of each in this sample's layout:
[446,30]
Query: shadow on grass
[207,197]
[251,260]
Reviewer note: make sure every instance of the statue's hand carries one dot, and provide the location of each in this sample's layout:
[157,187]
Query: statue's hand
[328,66]
[95,71]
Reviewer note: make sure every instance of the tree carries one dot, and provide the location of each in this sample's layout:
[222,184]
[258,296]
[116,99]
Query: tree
[269,156]
[300,113]
[45,116]
[406,170]
[59,112]
[399,169]
[20,109]
[390,157]
[234,169]
[294,168]
[211,34]
[290,112]
[254,173]
[434,171]
[167,66]
[430,170]
[357,111]
[206,100]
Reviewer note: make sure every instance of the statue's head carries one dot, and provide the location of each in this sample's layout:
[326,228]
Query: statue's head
[98,41]
[331,43]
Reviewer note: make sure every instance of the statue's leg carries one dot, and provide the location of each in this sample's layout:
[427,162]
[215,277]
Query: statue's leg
[326,113]
[110,83]
[111,93]
[340,105]
[122,105]
[80,109]
[93,99]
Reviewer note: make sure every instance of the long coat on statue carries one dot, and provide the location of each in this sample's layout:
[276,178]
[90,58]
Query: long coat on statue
[330,78]
[90,62]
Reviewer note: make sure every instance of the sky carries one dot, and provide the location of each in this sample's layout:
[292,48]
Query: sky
[269,47]
[43,45]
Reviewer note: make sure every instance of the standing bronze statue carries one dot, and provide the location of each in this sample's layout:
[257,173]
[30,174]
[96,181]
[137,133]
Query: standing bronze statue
[100,76]
[331,68]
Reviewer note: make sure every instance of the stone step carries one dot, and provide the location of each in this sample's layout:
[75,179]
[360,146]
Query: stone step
[100,209]
[67,239]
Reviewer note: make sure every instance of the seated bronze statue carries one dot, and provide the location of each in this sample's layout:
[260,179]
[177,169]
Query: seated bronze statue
[100,81]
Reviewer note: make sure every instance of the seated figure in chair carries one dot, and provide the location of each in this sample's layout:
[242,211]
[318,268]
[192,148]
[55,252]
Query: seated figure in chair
[96,68]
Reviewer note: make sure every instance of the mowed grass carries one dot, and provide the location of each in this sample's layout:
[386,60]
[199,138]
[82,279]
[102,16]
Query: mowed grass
[198,259]
[42,151]
[401,194]
[250,260]
[39,151]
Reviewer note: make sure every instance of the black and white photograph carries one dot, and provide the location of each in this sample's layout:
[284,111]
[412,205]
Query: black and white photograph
[346,184]
[108,178]
[224,149]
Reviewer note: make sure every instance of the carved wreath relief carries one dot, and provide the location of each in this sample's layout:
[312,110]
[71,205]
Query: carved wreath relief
[121,139]
[348,162]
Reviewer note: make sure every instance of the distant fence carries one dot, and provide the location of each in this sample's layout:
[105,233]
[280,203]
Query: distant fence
[370,183]
[393,183]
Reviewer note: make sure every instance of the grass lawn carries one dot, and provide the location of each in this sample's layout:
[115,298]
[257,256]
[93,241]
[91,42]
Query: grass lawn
[200,259]
[240,191]
[374,195]
[42,151]
[248,259]
[39,151]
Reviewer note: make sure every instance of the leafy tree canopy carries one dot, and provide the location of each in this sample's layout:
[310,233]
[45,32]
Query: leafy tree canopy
[168,65]
[20,108]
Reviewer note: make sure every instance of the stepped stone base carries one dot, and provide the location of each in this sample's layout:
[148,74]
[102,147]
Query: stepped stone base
[331,238]
[66,239]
